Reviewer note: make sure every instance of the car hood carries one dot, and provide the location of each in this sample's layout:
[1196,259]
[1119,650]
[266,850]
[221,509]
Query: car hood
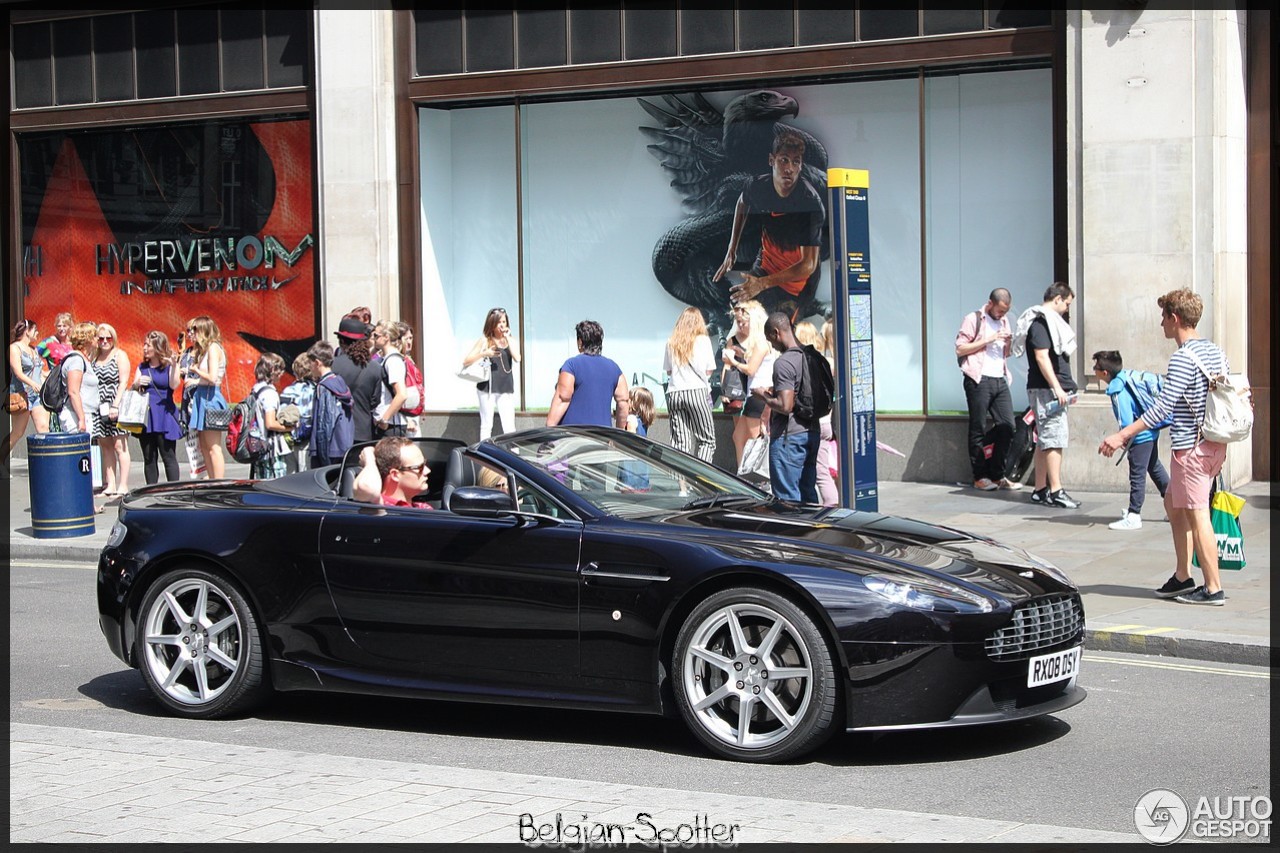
[867,543]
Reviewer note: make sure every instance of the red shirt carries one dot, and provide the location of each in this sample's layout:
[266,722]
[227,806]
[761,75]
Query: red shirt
[387,500]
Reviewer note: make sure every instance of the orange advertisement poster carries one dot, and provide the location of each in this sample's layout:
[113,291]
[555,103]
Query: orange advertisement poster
[145,228]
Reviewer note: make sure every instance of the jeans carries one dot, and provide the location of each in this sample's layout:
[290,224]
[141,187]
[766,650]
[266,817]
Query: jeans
[1144,459]
[991,395]
[793,466]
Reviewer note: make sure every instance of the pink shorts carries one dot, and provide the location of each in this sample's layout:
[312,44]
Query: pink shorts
[1192,473]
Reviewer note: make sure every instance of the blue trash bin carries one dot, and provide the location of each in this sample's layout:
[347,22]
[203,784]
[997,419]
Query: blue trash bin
[61,479]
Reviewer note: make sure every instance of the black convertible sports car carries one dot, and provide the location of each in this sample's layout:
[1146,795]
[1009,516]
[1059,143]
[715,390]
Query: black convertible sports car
[606,572]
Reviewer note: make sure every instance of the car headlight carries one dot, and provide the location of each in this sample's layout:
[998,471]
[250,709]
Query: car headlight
[117,534]
[928,594]
[1050,569]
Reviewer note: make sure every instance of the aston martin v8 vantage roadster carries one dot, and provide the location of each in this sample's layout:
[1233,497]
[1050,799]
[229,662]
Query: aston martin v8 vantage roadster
[604,571]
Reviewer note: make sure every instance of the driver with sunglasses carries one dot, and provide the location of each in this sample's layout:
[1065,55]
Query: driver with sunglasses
[392,473]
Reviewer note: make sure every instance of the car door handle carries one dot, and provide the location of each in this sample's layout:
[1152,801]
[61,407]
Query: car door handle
[594,570]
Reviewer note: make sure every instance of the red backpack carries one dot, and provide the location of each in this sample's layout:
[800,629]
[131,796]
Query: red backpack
[414,388]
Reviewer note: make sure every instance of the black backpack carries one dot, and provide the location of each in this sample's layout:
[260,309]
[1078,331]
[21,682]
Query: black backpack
[53,391]
[817,388]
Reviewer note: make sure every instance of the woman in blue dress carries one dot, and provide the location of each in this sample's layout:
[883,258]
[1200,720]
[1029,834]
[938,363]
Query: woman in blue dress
[157,376]
[205,378]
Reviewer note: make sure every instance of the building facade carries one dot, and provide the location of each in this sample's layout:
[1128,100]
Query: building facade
[275,169]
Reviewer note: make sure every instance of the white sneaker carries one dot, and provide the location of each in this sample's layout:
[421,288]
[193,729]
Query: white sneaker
[1131,521]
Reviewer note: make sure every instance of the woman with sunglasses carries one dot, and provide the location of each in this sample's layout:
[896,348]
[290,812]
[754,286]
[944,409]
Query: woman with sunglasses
[26,370]
[498,344]
[111,365]
[205,377]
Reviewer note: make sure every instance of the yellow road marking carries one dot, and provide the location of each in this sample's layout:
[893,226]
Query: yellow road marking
[1149,631]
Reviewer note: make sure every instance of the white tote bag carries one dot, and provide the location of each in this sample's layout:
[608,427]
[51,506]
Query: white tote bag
[755,459]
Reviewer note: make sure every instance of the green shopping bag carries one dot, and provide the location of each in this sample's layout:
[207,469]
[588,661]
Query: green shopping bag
[1224,515]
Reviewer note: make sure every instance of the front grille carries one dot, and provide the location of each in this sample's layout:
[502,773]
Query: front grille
[1037,625]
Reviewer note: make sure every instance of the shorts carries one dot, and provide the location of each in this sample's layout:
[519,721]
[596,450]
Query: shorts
[1052,432]
[752,407]
[1192,472]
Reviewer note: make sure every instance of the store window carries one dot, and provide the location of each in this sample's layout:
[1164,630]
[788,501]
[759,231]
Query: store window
[456,41]
[567,212]
[147,227]
[158,54]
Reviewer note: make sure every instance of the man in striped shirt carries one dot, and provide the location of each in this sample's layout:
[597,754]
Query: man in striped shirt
[1196,461]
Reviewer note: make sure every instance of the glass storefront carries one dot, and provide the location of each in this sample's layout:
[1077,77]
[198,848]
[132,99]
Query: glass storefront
[572,210]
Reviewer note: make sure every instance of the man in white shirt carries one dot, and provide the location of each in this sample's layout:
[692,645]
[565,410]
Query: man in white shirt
[982,346]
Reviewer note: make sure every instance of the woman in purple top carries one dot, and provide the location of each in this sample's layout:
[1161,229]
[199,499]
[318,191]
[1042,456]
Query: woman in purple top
[587,384]
[157,376]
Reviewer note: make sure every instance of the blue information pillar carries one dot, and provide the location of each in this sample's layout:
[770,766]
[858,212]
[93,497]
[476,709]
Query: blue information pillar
[851,304]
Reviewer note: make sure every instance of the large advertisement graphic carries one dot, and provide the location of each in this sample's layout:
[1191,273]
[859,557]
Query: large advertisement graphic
[753,190]
[145,228]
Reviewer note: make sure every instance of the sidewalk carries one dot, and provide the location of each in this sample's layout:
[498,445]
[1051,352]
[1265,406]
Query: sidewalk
[1115,570]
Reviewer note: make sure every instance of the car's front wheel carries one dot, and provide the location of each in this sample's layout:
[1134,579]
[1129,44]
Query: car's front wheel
[198,645]
[753,677]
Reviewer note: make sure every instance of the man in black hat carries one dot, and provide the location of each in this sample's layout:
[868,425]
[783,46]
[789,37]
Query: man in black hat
[352,363]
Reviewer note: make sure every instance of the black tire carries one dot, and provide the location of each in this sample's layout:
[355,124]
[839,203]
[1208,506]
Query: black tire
[199,646]
[790,689]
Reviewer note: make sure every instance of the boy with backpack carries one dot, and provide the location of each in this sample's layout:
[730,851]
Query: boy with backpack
[332,413]
[1132,392]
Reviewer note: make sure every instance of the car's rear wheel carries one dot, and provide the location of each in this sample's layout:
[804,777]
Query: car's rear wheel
[198,645]
[754,677]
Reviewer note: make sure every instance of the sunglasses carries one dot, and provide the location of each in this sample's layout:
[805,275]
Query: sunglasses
[417,469]
[105,338]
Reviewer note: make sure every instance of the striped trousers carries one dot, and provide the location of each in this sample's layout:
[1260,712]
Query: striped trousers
[692,429]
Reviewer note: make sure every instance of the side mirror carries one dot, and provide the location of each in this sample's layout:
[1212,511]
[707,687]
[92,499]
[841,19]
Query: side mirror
[481,502]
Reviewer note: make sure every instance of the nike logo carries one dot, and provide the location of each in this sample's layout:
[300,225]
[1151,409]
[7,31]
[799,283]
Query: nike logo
[277,284]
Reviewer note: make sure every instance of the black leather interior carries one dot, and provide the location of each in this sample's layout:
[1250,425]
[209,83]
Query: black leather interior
[459,471]
[347,486]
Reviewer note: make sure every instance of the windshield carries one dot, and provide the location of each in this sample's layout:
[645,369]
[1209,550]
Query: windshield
[623,474]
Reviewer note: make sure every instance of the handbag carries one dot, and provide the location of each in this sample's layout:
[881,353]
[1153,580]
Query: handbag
[1224,515]
[217,418]
[734,390]
[17,402]
[477,371]
[755,459]
[135,412]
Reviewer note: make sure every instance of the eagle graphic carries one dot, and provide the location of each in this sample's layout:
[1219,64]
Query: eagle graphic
[710,157]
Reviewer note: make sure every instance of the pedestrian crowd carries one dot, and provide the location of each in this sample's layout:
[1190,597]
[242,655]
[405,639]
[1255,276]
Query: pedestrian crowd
[1143,402]
[367,389]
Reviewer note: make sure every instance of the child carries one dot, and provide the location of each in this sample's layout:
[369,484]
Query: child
[635,475]
[300,394]
[1143,449]
[332,423]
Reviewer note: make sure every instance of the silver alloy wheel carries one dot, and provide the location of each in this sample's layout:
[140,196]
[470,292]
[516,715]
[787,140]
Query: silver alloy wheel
[193,641]
[748,675]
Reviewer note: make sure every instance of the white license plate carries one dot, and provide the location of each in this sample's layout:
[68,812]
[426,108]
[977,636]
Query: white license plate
[1058,666]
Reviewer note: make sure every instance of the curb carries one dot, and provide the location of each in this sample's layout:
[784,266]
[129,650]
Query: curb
[55,552]
[1191,648]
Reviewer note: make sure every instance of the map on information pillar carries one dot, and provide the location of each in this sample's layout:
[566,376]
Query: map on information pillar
[861,387]
[860,317]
